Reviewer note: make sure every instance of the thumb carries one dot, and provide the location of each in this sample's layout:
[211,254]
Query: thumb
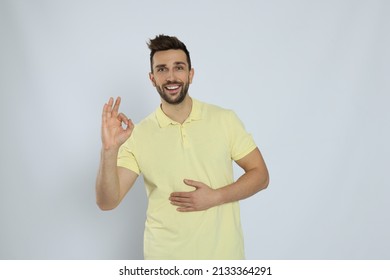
[129,126]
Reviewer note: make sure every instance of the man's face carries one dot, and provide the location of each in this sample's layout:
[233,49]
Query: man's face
[171,75]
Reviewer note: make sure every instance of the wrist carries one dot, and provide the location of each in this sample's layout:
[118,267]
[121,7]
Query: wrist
[109,153]
[219,196]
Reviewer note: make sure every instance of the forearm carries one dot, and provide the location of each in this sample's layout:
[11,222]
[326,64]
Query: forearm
[203,197]
[247,185]
[107,182]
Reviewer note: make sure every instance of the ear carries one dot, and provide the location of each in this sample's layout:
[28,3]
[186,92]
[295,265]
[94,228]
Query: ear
[191,75]
[151,78]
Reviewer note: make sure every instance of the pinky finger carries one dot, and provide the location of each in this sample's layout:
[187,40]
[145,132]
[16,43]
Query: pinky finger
[186,209]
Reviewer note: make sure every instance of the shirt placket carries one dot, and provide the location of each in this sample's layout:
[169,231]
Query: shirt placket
[184,135]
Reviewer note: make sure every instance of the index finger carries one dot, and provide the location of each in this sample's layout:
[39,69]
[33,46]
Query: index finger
[107,109]
[181,194]
[116,105]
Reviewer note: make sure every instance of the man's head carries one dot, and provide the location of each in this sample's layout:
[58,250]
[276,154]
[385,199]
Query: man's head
[164,43]
[171,71]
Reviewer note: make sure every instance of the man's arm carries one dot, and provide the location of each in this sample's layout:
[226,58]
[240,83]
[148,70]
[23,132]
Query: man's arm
[113,182]
[254,179]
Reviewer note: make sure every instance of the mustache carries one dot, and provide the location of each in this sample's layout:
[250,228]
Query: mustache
[173,83]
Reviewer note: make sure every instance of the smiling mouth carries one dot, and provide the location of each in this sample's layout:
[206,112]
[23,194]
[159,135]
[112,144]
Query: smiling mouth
[172,88]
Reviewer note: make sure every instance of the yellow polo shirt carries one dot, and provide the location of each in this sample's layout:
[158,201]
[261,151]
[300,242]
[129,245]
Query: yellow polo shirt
[201,149]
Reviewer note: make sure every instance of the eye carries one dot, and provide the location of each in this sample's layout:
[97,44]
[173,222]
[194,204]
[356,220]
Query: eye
[161,69]
[180,68]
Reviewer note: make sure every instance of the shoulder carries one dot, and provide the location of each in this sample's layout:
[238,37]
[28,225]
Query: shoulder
[214,111]
[145,127]
[222,118]
[150,120]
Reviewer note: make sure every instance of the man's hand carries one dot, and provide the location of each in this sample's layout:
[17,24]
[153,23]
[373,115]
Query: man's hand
[113,182]
[202,198]
[113,134]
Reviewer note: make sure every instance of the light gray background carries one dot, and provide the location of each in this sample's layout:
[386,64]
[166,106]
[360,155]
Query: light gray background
[310,80]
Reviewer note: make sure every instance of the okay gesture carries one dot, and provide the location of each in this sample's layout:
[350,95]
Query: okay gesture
[113,134]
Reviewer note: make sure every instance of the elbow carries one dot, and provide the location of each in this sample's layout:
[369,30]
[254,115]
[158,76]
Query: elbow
[264,181]
[104,206]
[105,200]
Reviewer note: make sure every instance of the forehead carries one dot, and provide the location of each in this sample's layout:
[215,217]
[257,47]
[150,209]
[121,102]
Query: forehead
[169,57]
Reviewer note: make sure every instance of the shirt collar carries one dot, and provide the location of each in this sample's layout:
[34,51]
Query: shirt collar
[196,114]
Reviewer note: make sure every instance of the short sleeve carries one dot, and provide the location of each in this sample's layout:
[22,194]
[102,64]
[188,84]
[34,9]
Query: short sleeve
[126,156]
[241,142]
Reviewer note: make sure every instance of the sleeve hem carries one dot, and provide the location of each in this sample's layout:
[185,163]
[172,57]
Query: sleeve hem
[243,154]
[119,164]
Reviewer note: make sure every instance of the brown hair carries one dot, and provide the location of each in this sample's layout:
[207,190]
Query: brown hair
[164,43]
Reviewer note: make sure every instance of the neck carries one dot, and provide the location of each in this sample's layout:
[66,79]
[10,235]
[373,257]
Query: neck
[178,112]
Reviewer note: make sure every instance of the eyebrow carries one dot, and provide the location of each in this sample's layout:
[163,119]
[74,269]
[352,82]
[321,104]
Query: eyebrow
[175,63]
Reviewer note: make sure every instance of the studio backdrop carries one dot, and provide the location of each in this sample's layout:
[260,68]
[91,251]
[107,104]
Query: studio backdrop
[309,79]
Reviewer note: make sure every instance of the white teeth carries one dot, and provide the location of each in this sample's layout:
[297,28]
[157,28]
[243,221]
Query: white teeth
[173,87]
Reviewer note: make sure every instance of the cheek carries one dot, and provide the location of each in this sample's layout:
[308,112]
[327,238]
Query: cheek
[185,78]
[158,80]
[189,78]
[155,82]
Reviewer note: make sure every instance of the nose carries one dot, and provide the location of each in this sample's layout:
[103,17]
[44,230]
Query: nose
[170,76]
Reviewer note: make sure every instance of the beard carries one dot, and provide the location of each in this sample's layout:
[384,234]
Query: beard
[172,100]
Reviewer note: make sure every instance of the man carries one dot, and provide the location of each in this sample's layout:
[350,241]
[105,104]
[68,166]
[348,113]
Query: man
[184,150]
